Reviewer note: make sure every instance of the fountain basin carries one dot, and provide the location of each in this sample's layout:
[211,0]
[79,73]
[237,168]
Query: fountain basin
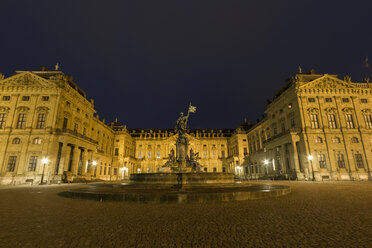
[192,178]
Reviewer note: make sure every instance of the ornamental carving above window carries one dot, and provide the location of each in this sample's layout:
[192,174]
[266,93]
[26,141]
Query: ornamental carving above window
[312,110]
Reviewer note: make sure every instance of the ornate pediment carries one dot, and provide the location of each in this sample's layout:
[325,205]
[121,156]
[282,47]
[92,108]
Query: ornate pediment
[313,110]
[347,110]
[330,110]
[26,79]
[23,108]
[366,111]
[4,109]
[329,83]
[42,109]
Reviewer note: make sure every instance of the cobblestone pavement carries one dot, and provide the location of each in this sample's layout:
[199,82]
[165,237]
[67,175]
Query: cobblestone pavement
[313,215]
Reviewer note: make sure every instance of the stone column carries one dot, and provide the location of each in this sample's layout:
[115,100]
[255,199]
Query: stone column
[66,157]
[75,160]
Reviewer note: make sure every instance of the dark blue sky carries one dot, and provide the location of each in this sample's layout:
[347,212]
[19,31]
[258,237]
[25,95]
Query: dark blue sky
[144,61]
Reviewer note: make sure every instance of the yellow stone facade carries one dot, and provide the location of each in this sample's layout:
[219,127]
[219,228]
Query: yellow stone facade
[44,114]
[318,127]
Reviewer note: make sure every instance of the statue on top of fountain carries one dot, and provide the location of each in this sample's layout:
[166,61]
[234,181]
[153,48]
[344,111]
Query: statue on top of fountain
[181,161]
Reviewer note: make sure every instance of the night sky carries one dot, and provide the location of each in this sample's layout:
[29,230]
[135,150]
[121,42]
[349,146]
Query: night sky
[144,61]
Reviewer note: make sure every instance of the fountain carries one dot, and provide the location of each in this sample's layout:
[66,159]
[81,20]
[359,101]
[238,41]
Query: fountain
[180,180]
[182,168]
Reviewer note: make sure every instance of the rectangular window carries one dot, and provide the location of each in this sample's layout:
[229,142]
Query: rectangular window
[158,154]
[367,118]
[322,161]
[140,154]
[76,127]
[340,160]
[25,98]
[115,171]
[40,121]
[6,98]
[204,154]
[64,125]
[11,163]
[214,155]
[359,160]
[2,120]
[331,121]
[314,121]
[328,99]
[45,98]
[21,121]
[345,99]
[149,154]
[283,127]
[245,150]
[116,151]
[363,100]
[349,121]
[311,99]
[104,170]
[32,163]
[214,169]
[222,154]
[293,124]
[84,131]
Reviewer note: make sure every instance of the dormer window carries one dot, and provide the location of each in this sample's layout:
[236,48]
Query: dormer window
[345,99]
[45,98]
[311,99]
[6,98]
[25,98]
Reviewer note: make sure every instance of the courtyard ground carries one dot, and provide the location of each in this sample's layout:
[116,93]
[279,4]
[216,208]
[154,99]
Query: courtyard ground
[324,214]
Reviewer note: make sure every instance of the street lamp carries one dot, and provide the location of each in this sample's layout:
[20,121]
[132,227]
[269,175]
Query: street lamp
[266,162]
[44,161]
[310,157]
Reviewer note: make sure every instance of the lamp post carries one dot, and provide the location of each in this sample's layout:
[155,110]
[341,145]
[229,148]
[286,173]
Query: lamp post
[44,161]
[310,157]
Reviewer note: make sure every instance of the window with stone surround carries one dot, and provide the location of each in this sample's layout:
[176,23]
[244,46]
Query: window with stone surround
[322,161]
[359,160]
[32,163]
[340,160]
[21,123]
[349,121]
[2,120]
[11,163]
[332,121]
[41,121]
[314,121]
[368,120]
[16,141]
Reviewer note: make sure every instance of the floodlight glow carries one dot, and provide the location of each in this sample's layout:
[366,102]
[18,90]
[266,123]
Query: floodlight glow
[94,163]
[310,157]
[45,160]
[266,161]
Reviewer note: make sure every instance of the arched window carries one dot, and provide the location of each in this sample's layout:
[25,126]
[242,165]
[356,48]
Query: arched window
[354,140]
[16,141]
[37,141]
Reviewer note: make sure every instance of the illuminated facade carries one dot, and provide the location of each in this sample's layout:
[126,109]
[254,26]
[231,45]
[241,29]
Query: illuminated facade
[317,127]
[45,115]
[50,131]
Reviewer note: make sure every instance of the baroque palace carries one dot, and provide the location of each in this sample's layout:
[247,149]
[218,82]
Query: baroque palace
[317,127]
